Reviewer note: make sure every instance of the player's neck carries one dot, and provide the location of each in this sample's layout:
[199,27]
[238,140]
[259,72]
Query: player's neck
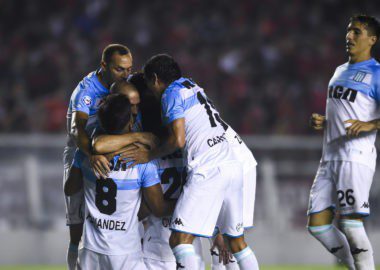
[100,74]
[353,59]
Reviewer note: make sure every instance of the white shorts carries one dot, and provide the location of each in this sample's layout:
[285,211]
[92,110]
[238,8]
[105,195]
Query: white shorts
[249,189]
[152,264]
[75,203]
[344,185]
[211,195]
[91,260]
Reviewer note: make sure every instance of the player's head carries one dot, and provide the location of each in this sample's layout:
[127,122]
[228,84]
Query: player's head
[363,32]
[116,63]
[130,91]
[160,71]
[115,115]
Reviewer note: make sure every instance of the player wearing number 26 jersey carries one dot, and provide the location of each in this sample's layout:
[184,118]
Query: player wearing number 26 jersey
[345,174]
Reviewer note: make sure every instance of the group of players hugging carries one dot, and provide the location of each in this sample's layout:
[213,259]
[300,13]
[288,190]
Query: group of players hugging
[150,166]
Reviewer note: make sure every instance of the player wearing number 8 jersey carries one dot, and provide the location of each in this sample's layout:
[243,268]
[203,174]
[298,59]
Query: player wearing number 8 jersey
[111,234]
[348,161]
[196,127]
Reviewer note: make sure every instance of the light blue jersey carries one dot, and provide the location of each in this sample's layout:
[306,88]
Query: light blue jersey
[111,226]
[87,98]
[353,93]
[206,143]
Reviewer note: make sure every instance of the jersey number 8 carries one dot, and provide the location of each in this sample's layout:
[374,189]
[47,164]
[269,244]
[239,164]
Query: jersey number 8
[105,198]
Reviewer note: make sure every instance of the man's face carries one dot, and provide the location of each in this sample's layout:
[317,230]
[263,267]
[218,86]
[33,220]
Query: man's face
[358,39]
[119,67]
[154,85]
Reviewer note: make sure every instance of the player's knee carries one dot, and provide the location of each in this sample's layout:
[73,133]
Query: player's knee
[178,238]
[321,219]
[236,243]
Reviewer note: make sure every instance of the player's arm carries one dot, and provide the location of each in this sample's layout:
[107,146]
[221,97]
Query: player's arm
[111,143]
[143,211]
[154,199]
[355,127]
[175,141]
[98,162]
[317,121]
[74,182]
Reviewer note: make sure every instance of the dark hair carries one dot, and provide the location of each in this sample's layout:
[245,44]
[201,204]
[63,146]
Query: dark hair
[164,66]
[115,113]
[371,23]
[149,107]
[114,48]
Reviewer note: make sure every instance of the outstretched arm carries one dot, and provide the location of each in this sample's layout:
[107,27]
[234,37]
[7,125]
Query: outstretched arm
[355,127]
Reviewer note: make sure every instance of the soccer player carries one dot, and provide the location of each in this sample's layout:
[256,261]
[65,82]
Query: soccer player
[111,238]
[116,65]
[345,174]
[195,126]
[156,249]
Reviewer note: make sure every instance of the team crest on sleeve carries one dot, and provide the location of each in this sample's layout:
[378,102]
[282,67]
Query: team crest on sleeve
[87,100]
[359,76]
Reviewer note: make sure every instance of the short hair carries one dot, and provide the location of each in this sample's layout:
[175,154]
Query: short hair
[115,113]
[371,23]
[117,87]
[111,49]
[166,68]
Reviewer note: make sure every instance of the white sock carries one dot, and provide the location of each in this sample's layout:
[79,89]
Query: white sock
[335,242]
[216,265]
[72,256]
[246,259]
[185,257]
[361,248]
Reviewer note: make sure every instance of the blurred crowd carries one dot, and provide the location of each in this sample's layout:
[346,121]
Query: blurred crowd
[266,64]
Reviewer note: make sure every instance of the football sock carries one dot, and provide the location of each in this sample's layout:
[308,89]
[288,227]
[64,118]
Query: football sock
[185,257]
[335,242]
[246,259]
[216,265]
[72,256]
[361,248]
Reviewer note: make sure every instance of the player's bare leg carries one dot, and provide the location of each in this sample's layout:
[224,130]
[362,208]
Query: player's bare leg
[183,250]
[320,226]
[243,254]
[361,249]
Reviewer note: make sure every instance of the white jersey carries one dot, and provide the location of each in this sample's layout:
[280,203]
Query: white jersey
[240,150]
[206,142]
[156,238]
[353,93]
[111,226]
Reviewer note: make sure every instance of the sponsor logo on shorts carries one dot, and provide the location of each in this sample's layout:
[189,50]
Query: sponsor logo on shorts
[106,224]
[178,221]
[239,226]
[217,139]
[365,205]
[166,222]
[87,100]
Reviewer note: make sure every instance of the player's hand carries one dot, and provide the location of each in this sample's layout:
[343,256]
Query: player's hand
[149,139]
[100,165]
[139,155]
[355,127]
[224,254]
[317,121]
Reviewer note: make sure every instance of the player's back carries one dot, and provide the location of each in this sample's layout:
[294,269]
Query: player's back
[87,97]
[112,204]
[206,143]
[353,93]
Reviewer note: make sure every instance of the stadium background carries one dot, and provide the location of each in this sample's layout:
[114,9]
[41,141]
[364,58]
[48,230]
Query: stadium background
[265,65]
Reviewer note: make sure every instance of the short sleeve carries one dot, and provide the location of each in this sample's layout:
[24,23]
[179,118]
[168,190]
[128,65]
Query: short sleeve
[82,101]
[149,174]
[172,106]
